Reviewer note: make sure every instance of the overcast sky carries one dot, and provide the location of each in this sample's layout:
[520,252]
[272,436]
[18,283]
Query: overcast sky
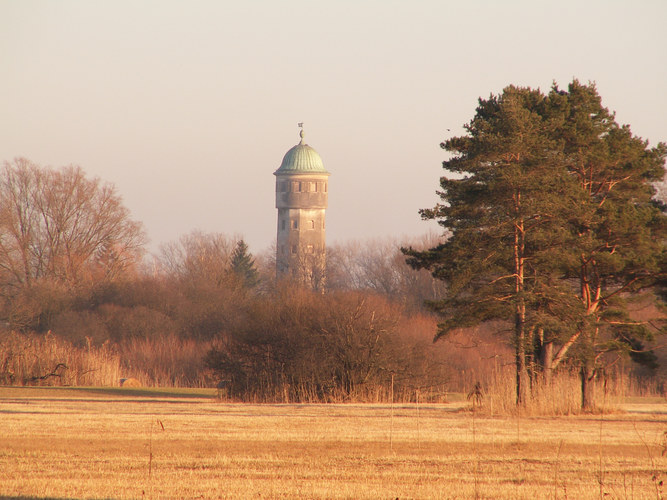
[188,107]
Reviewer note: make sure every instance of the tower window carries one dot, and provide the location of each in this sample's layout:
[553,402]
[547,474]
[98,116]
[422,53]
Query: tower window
[293,248]
[296,186]
[295,224]
[309,249]
[311,224]
[282,224]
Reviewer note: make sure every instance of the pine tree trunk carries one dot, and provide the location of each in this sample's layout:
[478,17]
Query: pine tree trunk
[522,381]
[531,359]
[547,356]
[587,386]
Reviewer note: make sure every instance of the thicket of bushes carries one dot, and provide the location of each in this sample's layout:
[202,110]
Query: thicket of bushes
[194,319]
[191,321]
[306,346]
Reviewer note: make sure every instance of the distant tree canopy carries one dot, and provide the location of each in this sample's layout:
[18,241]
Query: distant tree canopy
[199,258]
[553,225]
[379,266]
[60,230]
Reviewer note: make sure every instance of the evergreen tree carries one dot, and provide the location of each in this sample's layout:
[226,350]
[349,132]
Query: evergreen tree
[552,225]
[243,265]
[500,213]
[617,233]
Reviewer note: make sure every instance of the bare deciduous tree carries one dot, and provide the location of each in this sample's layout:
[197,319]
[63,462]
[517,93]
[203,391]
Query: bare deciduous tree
[199,257]
[379,266]
[60,228]
[61,225]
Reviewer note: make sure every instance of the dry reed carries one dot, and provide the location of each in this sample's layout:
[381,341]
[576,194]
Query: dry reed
[168,361]
[172,361]
[31,359]
[48,360]
[561,396]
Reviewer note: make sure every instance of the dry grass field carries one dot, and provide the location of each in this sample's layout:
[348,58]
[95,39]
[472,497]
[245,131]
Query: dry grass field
[86,443]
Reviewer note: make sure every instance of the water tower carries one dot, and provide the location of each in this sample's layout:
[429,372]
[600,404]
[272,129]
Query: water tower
[301,200]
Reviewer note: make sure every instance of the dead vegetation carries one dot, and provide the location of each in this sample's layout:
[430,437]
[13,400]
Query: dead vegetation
[368,339]
[48,360]
[106,446]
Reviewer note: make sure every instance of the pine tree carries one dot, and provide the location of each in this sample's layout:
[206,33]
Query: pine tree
[243,265]
[552,227]
[617,234]
[500,213]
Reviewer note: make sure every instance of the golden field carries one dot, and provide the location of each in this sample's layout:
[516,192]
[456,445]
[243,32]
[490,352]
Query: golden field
[115,443]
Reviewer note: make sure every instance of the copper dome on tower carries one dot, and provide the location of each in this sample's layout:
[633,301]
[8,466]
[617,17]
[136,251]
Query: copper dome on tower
[301,159]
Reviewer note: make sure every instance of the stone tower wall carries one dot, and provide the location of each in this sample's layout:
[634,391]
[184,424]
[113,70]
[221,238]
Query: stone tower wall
[301,201]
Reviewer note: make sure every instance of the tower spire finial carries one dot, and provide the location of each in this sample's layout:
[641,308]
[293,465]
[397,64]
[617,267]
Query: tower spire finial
[301,132]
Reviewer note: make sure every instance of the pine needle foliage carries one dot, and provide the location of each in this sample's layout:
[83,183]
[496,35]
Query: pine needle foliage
[549,204]
[243,265]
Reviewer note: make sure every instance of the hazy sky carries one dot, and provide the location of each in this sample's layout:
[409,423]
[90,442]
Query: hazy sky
[189,106]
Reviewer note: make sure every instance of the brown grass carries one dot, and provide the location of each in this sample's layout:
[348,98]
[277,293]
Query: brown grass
[73,445]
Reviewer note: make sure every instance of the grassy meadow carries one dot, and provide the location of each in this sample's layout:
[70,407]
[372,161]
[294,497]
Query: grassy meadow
[119,443]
